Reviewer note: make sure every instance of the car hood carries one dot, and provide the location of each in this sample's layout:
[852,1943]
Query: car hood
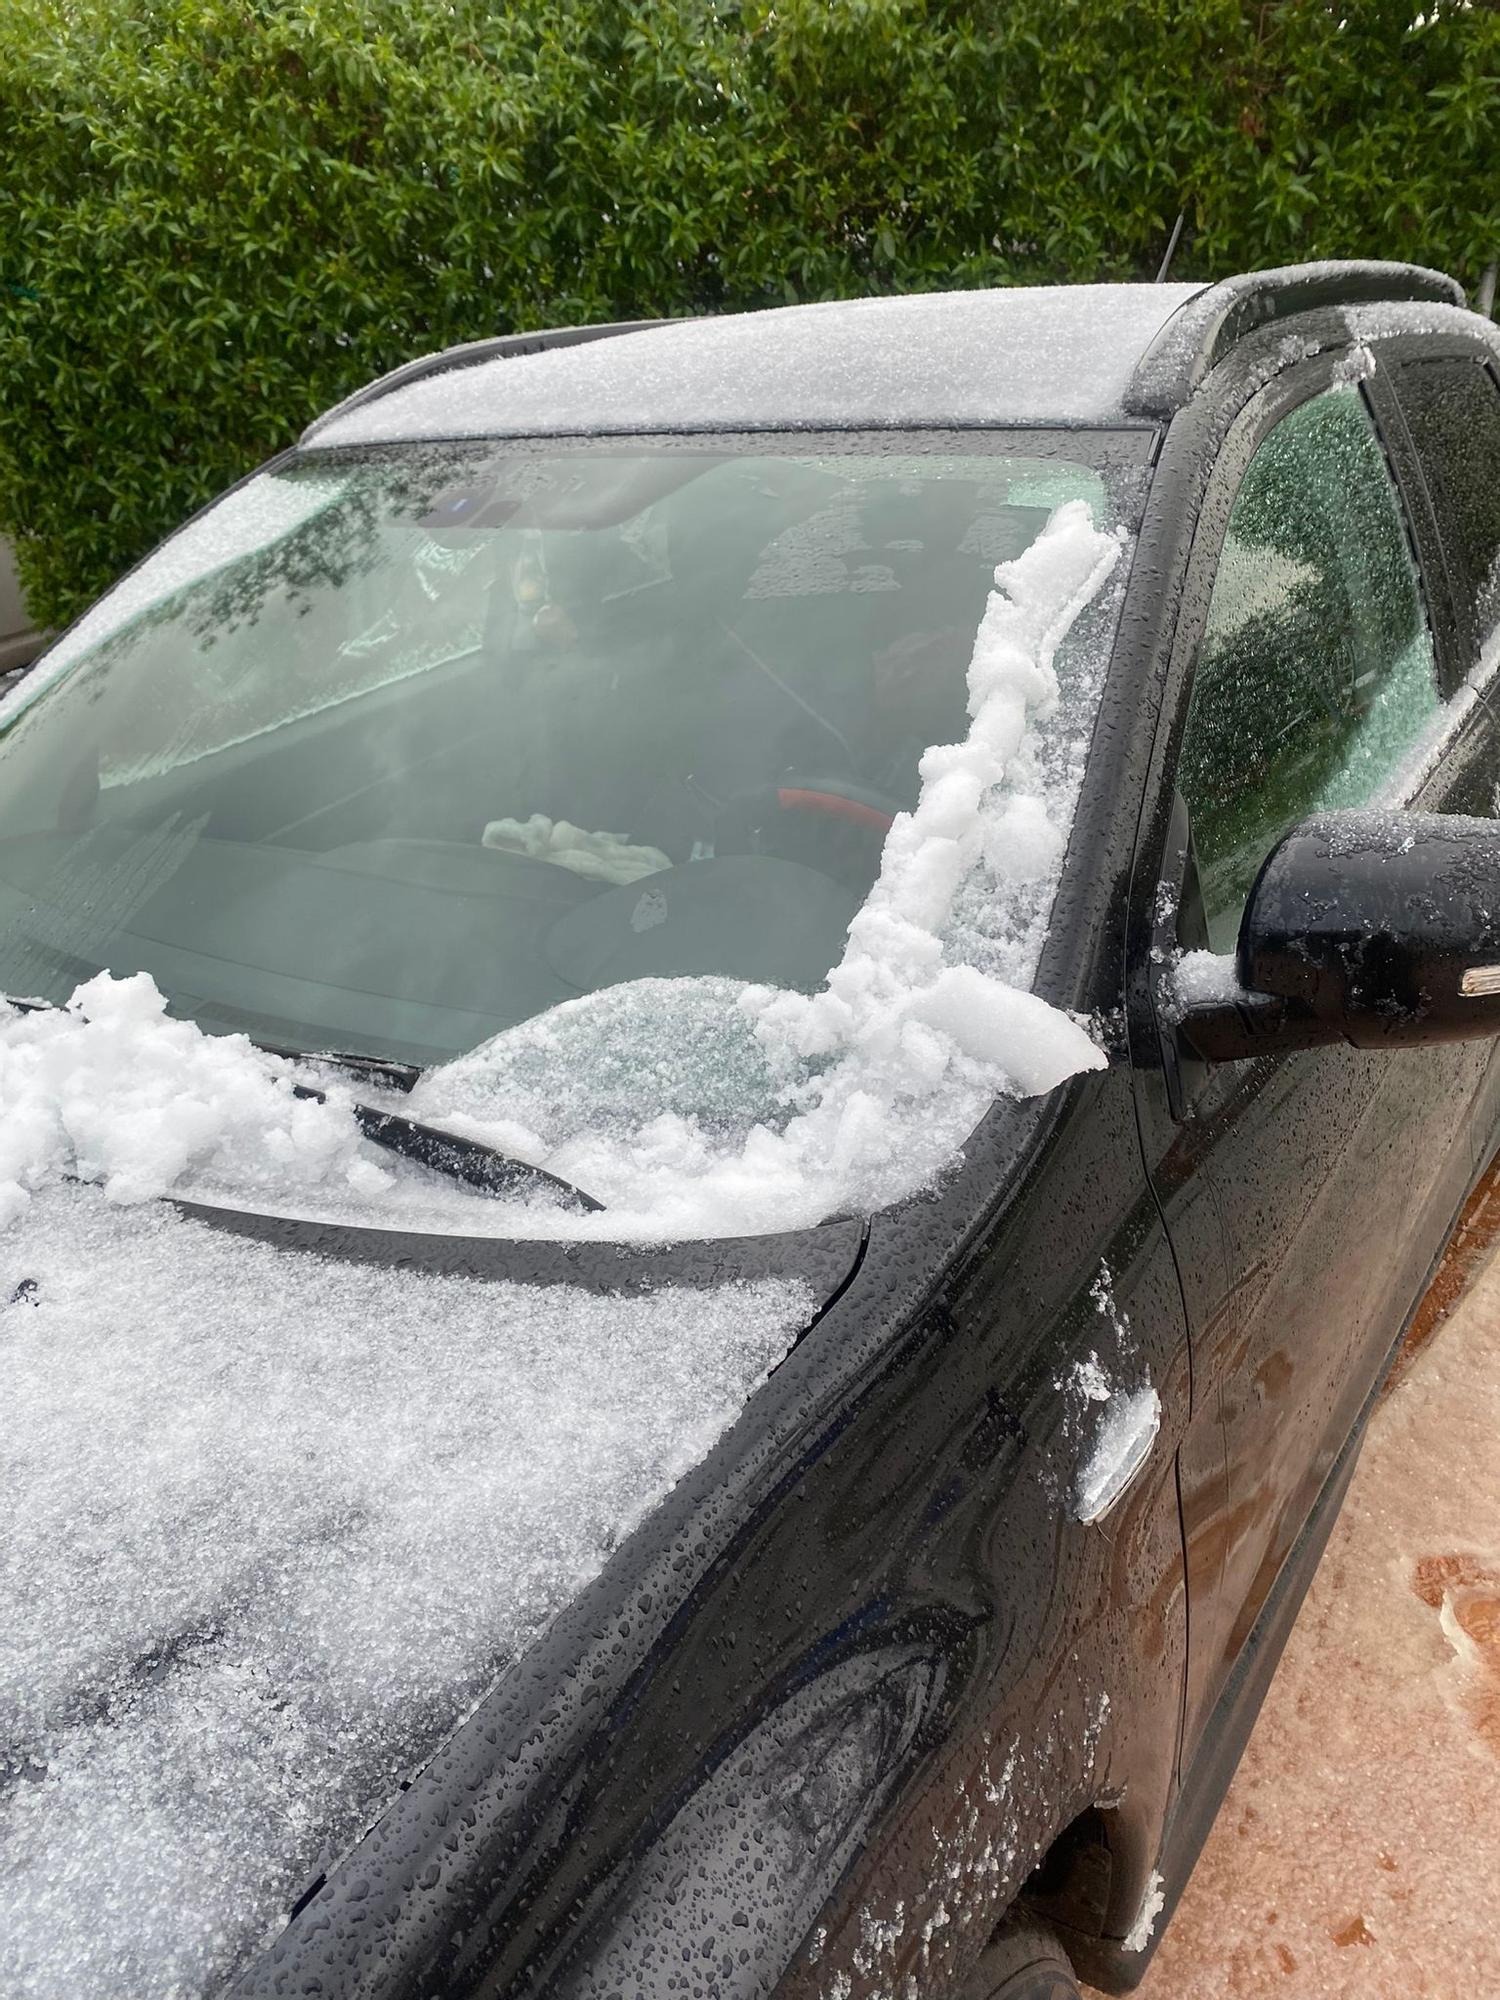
[280,1519]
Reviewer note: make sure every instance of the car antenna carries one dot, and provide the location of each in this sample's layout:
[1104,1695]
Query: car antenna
[1172,242]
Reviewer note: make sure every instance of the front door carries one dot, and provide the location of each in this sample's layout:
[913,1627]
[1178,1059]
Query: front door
[1336,1173]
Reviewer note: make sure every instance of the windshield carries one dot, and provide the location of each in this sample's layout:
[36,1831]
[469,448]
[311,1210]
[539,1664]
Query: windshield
[690,812]
[391,755]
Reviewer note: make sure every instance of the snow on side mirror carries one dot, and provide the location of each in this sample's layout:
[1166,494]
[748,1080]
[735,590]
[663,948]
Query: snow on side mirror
[1376,928]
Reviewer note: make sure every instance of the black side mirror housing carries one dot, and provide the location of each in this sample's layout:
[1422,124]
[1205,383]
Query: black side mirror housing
[1379,929]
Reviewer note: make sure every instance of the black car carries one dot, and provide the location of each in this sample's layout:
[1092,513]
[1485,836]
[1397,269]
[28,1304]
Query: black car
[1082,1035]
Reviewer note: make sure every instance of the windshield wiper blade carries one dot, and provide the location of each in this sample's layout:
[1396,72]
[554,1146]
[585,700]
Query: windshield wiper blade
[372,1069]
[477,1165]
[451,1155]
[470,1161]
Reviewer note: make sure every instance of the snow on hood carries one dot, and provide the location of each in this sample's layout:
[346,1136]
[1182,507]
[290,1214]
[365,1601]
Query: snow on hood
[283,1521]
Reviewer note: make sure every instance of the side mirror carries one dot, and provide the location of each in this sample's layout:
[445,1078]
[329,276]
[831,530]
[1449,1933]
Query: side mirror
[1379,929]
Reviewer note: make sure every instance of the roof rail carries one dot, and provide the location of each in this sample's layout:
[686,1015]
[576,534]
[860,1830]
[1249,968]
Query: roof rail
[1201,332]
[468,355]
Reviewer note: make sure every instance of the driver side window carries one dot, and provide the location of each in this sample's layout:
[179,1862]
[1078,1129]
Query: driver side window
[1315,677]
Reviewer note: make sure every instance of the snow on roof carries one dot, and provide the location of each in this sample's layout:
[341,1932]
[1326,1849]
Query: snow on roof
[273,1524]
[1384,320]
[1014,355]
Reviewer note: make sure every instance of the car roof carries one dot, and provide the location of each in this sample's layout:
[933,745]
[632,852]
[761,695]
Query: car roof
[1074,355]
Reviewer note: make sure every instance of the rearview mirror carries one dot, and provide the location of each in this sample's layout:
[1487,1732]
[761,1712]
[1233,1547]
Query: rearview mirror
[1380,929]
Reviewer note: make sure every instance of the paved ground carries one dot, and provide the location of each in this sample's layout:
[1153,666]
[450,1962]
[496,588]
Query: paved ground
[1357,1856]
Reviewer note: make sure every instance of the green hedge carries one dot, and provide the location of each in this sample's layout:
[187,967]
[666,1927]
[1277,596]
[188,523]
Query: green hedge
[217,216]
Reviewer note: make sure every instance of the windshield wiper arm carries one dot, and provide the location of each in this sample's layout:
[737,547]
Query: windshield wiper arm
[455,1157]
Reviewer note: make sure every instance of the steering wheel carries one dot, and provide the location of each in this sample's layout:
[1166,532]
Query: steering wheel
[833,825]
